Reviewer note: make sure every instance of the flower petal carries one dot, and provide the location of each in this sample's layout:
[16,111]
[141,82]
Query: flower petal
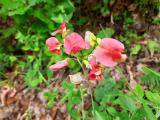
[91,76]
[59,65]
[92,61]
[116,56]
[112,45]
[63,26]
[104,57]
[95,73]
[68,45]
[56,32]
[61,29]
[74,43]
[53,45]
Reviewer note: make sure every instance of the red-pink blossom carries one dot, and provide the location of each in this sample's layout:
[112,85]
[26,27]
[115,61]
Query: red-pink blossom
[53,45]
[96,70]
[62,29]
[59,65]
[109,52]
[74,43]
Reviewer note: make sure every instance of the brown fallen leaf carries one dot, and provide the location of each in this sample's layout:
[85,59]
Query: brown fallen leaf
[76,78]
[5,112]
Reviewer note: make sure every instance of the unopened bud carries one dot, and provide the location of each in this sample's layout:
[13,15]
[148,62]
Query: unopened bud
[123,57]
[98,41]
[90,38]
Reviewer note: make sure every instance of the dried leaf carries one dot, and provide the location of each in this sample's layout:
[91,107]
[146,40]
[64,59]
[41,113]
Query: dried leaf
[76,78]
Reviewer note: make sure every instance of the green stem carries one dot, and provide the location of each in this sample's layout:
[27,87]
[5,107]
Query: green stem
[90,90]
[83,113]
[81,65]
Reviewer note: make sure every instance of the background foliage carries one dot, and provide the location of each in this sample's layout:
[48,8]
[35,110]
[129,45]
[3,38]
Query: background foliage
[25,25]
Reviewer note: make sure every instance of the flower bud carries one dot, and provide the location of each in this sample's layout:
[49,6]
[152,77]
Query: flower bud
[123,58]
[90,38]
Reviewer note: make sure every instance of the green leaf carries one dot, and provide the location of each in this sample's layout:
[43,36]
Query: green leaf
[151,77]
[70,105]
[41,16]
[68,86]
[152,45]
[75,115]
[107,32]
[123,115]
[30,58]
[35,83]
[126,103]
[139,91]
[102,116]
[104,89]
[153,97]
[139,114]
[58,19]
[49,73]
[50,96]
[50,104]
[149,114]
[105,11]
[73,65]
[12,58]
[111,111]
[135,50]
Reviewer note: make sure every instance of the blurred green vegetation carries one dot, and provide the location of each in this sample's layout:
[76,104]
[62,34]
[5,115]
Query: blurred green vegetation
[26,24]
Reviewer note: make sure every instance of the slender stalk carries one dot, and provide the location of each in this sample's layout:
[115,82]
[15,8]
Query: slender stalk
[83,113]
[90,90]
[81,65]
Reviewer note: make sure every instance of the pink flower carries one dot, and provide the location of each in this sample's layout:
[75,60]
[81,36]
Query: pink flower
[74,43]
[96,70]
[109,52]
[53,45]
[62,29]
[92,61]
[95,74]
[59,65]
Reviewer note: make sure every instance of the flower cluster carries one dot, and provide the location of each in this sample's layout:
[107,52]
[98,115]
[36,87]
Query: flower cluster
[107,51]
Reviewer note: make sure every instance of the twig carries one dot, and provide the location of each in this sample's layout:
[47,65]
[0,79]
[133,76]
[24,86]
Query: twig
[112,21]
[132,81]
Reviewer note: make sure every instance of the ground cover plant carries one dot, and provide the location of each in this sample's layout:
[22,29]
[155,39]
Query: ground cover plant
[79,60]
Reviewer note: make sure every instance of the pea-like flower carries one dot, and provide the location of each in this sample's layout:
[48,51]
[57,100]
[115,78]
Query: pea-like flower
[109,52]
[59,65]
[96,70]
[53,45]
[74,43]
[62,29]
